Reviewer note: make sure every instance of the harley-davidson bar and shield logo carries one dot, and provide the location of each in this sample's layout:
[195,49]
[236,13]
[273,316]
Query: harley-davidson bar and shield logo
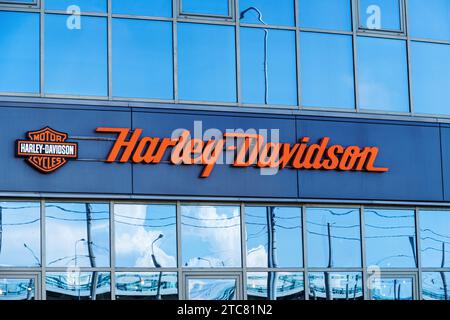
[47,149]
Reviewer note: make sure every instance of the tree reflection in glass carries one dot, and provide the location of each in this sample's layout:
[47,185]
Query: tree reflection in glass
[145,236]
[211,236]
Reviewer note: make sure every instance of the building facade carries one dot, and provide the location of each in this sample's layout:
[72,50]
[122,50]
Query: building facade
[225,149]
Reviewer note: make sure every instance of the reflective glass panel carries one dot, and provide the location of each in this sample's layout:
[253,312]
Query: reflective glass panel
[275,286]
[390,238]
[211,236]
[392,288]
[212,289]
[215,7]
[19,54]
[145,236]
[429,19]
[274,237]
[83,5]
[327,70]
[162,8]
[82,69]
[435,285]
[19,1]
[77,234]
[335,286]
[280,12]
[73,285]
[330,14]
[435,238]
[430,66]
[20,235]
[383,74]
[380,14]
[146,286]
[142,59]
[268,66]
[206,62]
[17,289]
[334,238]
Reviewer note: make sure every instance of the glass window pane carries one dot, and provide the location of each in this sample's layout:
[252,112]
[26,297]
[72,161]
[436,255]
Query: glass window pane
[146,286]
[392,288]
[82,69]
[145,236]
[330,14]
[142,59]
[206,62]
[211,236]
[435,238]
[78,285]
[77,234]
[383,74]
[430,66]
[212,289]
[429,19]
[380,14]
[83,5]
[335,286]
[280,12]
[20,235]
[334,238]
[215,7]
[435,285]
[390,238]
[162,8]
[275,286]
[19,54]
[327,70]
[268,66]
[283,227]
[17,289]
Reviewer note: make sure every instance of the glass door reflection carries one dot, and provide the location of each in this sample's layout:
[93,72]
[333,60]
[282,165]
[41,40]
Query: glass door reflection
[393,287]
[214,287]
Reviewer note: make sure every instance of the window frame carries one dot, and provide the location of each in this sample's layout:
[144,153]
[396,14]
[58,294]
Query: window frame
[361,29]
[189,15]
[19,4]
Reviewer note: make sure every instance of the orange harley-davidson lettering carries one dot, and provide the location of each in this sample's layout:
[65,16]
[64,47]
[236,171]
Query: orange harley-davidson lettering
[253,151]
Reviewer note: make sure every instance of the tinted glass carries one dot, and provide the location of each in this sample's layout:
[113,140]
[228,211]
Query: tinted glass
[333,237]
[84,5]
[430,77]
[275,286]
[435,285]
[82,69]
[17,289]
[77,234]
[268,66]
[330,14]
[73,285]
[145,236]
[429,19]
[146,286]
[390,238]
[274,237]
[327,70]
[142,59]
[392,289]
[211,236]
[380,14]
[20,242]
[280,12]
[383,74]
[335,286]
[216,7]
[19,54]
[161,8]
[212,289]
[206,62]
[435,238]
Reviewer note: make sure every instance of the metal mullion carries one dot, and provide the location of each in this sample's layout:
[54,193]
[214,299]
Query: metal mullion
[408,57]
[326,31]
[418,286]
[365,278]
[298,54]
[109,46]
[305,252]
[138,17]
[86,14]
[238,54]
[112,246]
[20,9]
[355,26]
[201,21]
[43,295]
[179,252]
[243,252]
[175,51]
[42,49]
[268,26]
[435,41]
